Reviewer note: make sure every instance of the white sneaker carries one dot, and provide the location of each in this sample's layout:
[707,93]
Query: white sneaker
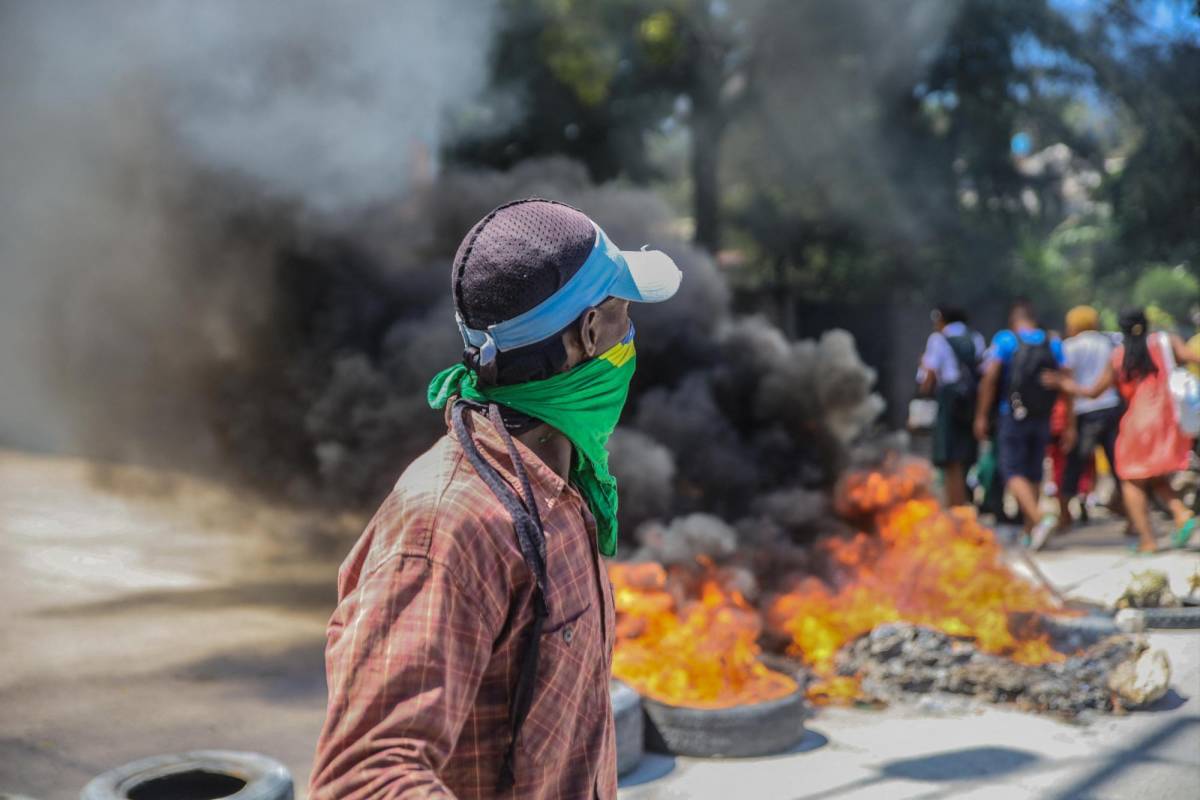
[1041,532]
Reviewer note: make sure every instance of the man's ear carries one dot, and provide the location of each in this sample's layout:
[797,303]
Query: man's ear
[589,332]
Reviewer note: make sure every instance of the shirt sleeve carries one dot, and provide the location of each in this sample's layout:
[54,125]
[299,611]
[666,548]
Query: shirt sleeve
[932,360]
[405,654]
[1056,349]
[1004,344]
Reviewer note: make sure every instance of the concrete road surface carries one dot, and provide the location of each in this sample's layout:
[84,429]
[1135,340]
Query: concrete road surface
[147,614]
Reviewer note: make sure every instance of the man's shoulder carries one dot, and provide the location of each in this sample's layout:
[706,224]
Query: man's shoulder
[1004,344]
[442,510]
[1087,342]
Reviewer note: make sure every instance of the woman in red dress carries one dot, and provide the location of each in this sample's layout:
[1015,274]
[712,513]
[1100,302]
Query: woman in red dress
[1150,445]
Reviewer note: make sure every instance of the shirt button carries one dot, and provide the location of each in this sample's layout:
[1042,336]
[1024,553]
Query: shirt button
[568,634]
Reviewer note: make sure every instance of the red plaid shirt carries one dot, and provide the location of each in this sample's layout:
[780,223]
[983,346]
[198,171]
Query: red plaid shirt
[423,652]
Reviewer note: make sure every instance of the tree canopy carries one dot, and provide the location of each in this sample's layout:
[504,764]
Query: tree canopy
[915,150]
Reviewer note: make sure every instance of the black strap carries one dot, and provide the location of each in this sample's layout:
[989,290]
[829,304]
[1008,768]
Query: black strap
[532,541]
[963,348]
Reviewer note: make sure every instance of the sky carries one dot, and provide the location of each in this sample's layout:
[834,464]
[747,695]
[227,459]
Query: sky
[1167,20]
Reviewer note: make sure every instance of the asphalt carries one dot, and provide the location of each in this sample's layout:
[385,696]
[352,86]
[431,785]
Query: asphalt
[149,613]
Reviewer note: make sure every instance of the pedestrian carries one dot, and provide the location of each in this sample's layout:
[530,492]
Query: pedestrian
[1150,445]
[1088,353]
[1012,372]
[949,372]
[470,650]
[1058,464]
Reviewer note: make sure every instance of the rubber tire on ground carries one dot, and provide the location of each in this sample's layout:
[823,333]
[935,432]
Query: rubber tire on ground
[1182,617]
[265,778]
[631,726]
[1093,627]
[760,729]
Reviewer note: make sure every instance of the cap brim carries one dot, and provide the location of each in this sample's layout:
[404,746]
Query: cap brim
[652,277]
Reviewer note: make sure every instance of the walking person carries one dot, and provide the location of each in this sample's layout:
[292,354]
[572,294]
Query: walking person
[1012,372]
[470,651]
[1088,353]
[949,372]
[1150,445]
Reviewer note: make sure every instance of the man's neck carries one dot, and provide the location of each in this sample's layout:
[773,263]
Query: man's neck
[551,447]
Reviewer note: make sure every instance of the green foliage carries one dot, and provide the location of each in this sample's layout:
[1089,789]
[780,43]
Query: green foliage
[1159,318]
[860,150]
[589,80]
[1156,194]
[1170,289]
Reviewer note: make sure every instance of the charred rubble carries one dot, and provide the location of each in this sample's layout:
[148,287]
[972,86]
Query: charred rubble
[897,662]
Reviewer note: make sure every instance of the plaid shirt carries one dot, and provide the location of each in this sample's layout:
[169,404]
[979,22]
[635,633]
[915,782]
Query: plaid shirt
[424,648]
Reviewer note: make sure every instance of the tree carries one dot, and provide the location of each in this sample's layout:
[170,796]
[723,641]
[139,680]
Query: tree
[592,80]
[1156,194]
[877,164]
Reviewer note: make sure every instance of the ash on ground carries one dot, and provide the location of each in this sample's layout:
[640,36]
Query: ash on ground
[897,662]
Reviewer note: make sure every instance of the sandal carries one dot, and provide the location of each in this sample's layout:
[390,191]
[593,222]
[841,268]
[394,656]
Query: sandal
[1181,537]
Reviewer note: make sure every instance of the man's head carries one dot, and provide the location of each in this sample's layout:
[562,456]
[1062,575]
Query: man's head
[538,288]
[945,315]
[1082,318]
[1021,315]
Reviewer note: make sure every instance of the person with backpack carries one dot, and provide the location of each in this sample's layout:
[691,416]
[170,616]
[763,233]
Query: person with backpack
[1012,379]
[950,372]
[1151,444]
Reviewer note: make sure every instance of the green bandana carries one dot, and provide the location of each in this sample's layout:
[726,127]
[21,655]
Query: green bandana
[583,403]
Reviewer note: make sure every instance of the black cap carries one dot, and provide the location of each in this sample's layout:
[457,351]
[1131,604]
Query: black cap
[516,257]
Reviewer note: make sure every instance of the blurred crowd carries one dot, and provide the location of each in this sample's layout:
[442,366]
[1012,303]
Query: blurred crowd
[1119,408]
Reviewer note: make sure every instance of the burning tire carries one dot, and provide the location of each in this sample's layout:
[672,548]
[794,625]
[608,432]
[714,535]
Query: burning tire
[630,724]
[760,729]
[197,775]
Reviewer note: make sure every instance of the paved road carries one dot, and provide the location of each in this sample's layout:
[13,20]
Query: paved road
[165,617]
[163,614]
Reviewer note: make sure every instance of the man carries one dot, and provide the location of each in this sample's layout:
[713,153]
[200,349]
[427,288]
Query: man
[1088,353]
[1013,372]
[949,372]
[470,651]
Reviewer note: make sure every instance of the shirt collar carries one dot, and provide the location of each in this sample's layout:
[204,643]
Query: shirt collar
[955,329]
[547,484]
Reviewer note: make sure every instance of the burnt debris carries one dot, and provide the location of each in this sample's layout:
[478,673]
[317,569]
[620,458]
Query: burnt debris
[897,662]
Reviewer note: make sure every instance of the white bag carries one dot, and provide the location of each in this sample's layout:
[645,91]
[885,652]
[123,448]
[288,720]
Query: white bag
[1184,388]
[922,413]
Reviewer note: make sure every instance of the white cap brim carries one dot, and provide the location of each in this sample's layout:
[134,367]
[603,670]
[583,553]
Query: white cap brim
[652,277]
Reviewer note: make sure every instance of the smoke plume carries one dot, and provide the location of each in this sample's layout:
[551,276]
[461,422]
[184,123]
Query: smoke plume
[226,248]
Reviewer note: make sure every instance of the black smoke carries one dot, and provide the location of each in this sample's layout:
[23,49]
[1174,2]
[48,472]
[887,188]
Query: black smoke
[179,299]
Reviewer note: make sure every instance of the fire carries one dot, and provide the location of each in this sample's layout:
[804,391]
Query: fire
[701,652]
[693,641]
[924,565]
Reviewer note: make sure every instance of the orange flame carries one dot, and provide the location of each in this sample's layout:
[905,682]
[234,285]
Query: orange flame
[922,565]
[701,653]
